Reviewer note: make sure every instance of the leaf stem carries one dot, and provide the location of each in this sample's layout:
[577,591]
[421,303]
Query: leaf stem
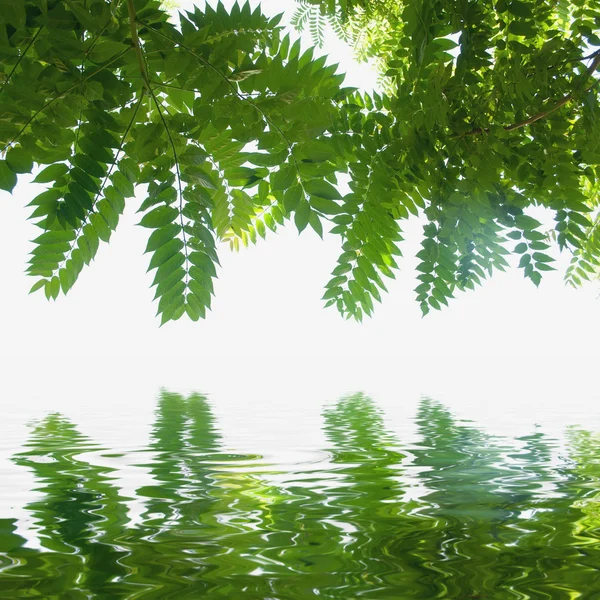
[136,41]
[62,95]
[545,113]
[181,223]
[236,91]
[108,174]
[21,58]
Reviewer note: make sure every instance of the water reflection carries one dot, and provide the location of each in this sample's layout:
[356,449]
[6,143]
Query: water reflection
[76,520]
[459,515]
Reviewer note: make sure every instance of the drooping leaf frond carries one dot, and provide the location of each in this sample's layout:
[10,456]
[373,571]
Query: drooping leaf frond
[479,106]
[221,129]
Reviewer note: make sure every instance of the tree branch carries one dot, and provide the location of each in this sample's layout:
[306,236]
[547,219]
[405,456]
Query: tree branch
[65,93]
[136,41]
[544,113]
[238,94]
[20,59]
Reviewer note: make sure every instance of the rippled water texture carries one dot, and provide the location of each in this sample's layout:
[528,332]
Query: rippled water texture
[460,514]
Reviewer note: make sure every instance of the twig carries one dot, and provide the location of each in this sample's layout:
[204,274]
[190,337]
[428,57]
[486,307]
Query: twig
[544,113]
[106,177]
[142,63]
[236,92]
[136,41]
[185,244]
[62,95]
[20,59]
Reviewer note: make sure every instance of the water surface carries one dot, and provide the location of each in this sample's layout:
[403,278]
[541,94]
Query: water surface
[453,512]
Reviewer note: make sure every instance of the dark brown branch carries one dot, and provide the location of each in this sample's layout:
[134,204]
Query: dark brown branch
[544,113]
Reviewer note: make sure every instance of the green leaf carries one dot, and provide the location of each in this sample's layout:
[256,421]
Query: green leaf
[110,216]
[51,173]
[173,310]
[520,9]
[165,252]
[538,246]
[535,277]
[527,222]
[193,156]
[96,151]
[522,28]
[322,189]
[83,16]
[65,280]
[38,285]
[102,137]
[80,195]
[13,12]
[292,198]
[198,175]
[203,262]
[85,249]
[123,185]
[85,181]
[159,217]
[327,207]
[302,216]
[115,199]
[91,237]
[177,275]
[88,165]
[315,223]
[580,219]
[525,260]
[332,292]
[162,236]
[541,257]
[195,305]
[100,226]
[171,297]
[167,268]
[544,267]
[8,178]
[284,178]
[200,292]
[577,206]
[191,310]
[105,50]
[55,237]
[54,287]
[343,268]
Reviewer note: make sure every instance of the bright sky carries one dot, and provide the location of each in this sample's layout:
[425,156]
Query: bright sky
[268,334]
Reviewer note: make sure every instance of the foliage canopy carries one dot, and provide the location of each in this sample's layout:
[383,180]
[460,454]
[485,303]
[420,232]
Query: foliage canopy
[490,107]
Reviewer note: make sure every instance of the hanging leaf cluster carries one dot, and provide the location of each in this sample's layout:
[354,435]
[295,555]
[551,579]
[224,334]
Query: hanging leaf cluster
[491,109]
[212,118]
[220,129]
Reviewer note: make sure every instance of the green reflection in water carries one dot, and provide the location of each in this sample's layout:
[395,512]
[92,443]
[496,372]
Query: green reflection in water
[459,515]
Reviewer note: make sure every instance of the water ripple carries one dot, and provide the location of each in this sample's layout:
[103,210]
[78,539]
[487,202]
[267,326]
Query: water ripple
[459,514]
